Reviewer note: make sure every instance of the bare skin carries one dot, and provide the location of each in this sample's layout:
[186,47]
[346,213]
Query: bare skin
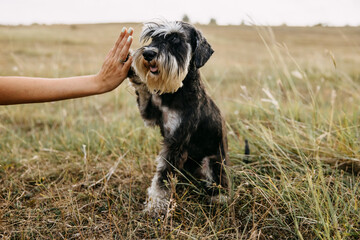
[16,90]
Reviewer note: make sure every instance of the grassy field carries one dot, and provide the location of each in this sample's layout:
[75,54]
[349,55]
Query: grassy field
[79,169]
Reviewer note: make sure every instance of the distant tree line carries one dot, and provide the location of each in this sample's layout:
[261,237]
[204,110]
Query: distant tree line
[186,18]
[213,21]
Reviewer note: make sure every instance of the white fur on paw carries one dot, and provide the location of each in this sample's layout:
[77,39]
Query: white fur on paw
[157,198]
[219,199]
[156,204]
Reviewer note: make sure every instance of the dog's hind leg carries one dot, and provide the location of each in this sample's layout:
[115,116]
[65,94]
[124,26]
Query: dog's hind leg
[216,179]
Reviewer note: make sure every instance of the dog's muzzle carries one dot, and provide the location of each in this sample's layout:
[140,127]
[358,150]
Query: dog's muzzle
[149,57]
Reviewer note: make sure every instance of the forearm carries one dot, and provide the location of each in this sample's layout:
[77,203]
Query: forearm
[14,90]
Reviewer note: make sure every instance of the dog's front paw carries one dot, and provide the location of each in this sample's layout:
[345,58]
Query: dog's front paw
[135,81]
[133,77]
[137,84]
[157,202]
[156,205]
[219,199]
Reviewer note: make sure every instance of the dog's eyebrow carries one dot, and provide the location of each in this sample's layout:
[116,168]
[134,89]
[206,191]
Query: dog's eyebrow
[157,29]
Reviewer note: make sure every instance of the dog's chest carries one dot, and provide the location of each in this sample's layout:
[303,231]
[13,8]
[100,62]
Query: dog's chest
[171,119]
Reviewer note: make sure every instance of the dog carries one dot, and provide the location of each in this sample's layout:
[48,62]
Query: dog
[170,94]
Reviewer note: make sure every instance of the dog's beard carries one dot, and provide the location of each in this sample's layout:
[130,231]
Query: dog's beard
[169,76]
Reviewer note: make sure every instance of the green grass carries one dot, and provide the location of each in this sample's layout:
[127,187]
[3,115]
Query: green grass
[293,93]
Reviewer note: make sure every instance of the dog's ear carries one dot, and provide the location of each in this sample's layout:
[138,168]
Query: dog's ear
[203,50]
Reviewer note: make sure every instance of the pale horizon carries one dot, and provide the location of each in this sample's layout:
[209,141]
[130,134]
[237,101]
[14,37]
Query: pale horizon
[229,12]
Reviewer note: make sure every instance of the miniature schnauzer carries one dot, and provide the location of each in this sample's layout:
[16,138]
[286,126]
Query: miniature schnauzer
[171,95]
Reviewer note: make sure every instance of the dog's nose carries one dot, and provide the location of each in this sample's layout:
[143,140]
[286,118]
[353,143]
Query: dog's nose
[149,55]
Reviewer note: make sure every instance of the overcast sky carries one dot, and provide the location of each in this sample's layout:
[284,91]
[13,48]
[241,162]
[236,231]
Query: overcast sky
[268,12]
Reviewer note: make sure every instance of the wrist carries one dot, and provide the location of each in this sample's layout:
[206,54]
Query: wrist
[100,84]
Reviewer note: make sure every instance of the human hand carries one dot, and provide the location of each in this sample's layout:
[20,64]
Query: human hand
[117,63]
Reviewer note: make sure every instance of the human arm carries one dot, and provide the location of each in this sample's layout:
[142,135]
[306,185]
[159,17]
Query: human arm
[15,90]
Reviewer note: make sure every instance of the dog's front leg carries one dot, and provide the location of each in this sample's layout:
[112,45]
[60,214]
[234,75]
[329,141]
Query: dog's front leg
[170,161]
[158,192]
[149,112]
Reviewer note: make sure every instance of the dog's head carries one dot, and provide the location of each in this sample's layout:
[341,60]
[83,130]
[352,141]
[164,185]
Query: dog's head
[164,63]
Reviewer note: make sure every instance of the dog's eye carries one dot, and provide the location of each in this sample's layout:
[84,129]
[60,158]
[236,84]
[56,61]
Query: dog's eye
[176,40]
[173,38]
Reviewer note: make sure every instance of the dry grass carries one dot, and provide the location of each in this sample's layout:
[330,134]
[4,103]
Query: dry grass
[293,93]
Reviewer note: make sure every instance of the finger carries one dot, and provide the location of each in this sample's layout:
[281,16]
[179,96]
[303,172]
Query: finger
[121,36]
[131,31]
[125,50]
[123,42]
[118,41]
[127,65]
[109,55]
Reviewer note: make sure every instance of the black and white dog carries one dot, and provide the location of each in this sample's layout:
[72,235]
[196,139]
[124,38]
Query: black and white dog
[171,95]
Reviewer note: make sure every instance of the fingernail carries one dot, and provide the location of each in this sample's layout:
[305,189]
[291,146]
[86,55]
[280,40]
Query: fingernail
[131,30]
[123,30]
[129,38]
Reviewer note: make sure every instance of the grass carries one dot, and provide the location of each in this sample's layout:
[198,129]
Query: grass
[79,169]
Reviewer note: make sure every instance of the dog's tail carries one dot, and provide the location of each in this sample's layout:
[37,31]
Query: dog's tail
[246,152]
[247,148]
